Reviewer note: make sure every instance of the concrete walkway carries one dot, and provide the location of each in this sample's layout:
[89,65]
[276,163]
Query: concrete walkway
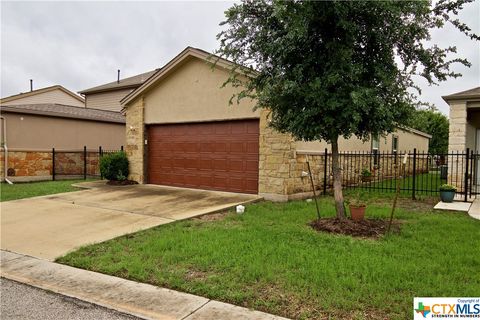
[474,211]
[138,299]
[50,226]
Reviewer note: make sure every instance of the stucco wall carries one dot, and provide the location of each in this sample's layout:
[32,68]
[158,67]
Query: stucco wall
[406,141]
[109,100]
[192,92]
[33,132]
[54,96]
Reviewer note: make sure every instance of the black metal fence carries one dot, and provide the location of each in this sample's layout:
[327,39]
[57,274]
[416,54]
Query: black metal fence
[416,173]
[78,163]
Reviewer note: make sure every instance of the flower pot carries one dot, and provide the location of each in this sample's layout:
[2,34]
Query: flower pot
[447,196]
[357,212]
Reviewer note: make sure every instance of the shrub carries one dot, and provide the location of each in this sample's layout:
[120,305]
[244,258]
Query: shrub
[114,166]
[366,173]
[447,187]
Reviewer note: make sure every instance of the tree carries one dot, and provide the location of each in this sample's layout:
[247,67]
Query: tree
[327,69]
[434,123]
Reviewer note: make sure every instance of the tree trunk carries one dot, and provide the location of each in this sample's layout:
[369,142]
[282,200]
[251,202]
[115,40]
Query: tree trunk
[337,181]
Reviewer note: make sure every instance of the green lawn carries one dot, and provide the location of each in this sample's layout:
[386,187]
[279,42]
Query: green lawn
[425,184]
[33,189]
[270,259]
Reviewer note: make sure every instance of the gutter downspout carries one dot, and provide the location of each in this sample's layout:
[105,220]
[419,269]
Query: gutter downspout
[5,148]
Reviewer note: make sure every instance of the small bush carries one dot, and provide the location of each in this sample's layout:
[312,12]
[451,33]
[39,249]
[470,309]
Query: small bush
[447,187]
[114,166]
[366,173]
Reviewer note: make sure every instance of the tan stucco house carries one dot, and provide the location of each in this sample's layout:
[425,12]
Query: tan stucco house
[34,123]
[107,96]
[181,131]
[54,94]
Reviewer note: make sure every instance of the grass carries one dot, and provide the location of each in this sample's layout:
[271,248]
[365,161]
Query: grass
[269,259]
[33,189]
[425,184]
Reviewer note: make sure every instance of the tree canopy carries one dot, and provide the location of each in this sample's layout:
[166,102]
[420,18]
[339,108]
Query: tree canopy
[327,69]
[434,123]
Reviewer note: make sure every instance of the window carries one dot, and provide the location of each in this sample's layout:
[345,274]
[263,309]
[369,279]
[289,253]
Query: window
[375,149]
[394,148]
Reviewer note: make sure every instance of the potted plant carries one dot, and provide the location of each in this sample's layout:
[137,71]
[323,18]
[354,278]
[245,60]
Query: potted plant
[447,192]
[366,175]
[357,209]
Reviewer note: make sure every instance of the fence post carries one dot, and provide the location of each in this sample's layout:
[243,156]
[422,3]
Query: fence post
[466,174]
[53,164]
[414,172]
[99,157]
[84,162]
[325,163]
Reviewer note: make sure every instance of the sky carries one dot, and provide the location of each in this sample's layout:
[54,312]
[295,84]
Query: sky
[82,44]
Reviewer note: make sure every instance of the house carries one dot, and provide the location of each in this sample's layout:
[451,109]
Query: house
[34,123]
[182,132]
[108,96]
[464,135]
[464,121]
[53,94]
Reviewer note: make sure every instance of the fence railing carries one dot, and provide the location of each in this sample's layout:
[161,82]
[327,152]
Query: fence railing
[54,164]
[422,173]
[85,163]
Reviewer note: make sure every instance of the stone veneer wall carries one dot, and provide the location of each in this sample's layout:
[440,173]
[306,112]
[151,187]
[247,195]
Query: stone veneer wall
[37,165]
[276,158]
[135,135]
[457,141]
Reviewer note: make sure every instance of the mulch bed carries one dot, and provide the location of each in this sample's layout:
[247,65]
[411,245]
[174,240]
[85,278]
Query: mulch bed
[121,183]
[368,228]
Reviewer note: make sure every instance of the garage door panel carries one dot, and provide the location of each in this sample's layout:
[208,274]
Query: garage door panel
[214,155]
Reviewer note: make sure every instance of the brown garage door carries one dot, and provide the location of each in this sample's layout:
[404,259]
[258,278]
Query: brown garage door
[212,155]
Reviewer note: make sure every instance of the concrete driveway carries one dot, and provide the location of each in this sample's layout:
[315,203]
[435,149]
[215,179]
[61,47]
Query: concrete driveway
[50,226]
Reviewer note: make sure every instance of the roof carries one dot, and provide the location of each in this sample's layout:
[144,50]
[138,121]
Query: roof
[131,82]
[64,111]
[473,93]
[42,90]
[182,56]
[417,132]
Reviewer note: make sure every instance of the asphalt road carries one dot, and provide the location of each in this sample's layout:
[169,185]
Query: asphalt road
[20,301]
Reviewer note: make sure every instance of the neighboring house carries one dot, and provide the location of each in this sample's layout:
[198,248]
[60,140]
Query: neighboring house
[464,129]
[402,139]
[108,96]
[45,126]
[464,134]
[34,123]
[181,132]
[54,94]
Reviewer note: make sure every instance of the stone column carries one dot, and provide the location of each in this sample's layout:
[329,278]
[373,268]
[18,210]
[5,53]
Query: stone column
[457,141]
[135,136]
[277,153]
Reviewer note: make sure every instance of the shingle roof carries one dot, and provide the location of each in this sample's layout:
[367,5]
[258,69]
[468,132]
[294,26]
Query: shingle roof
[131,82]
[64,111]
[470,93]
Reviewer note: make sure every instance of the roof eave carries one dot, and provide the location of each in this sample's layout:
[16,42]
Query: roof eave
[461,97]
[90,91]
[187,52]
[8,109]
